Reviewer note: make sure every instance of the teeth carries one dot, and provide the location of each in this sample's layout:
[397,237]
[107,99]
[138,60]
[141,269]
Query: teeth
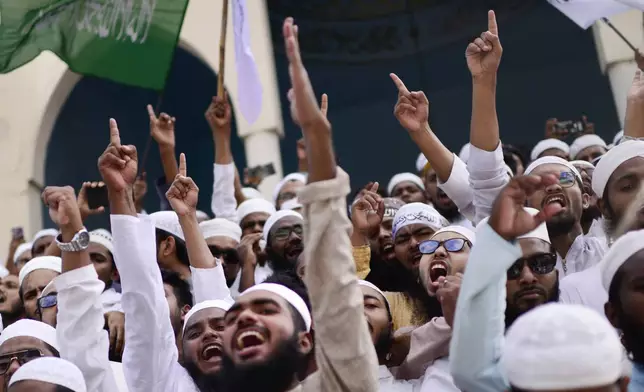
[243,335]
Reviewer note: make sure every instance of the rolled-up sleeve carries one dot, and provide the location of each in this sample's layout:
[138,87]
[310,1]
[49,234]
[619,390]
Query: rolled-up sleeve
[224,204]
[479,322]
[80,333]
[457,187]
[344,351]
[487,177]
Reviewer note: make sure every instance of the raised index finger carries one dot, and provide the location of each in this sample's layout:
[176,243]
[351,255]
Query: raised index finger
[151,112]
[115,137]
[183,169]
[491,23]
[399,83]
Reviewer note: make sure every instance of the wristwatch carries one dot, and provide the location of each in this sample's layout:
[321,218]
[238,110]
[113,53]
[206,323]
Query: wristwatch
[79,242]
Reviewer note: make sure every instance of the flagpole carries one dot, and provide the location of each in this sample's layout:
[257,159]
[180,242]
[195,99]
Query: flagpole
[222,49]
[630,45]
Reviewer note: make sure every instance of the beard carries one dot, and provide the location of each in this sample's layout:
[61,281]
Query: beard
[560,224]
[450,213]
[383,342]
[590,214]
[204,382]
[512,312]
[275,374]
[279,262]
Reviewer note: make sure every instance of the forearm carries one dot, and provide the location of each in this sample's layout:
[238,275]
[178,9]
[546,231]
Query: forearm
[439,156]
[223,153]
[239,193]
[247,277]
[198,252]
[319,152]
[634,121]
[484,128]
[169,162]
[121,202]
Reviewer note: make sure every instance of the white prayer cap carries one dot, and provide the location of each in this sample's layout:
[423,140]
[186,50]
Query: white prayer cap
[621,250]
[464,154]
[210,304]
[168,221]
[464,231]
[292,204]
[276,217]
[301,177]
[541,232]
[52,263]
[612,159]
[252,193]
[561,347]
[220,227]
[400,177]
[585,141]
[30,328]
[45,233]
[550,160]
[252,206]
[202,215]
[51,370]
[618,137]
[547,144]
[288,295]
[102,237]
[583,164]
[422,213]
[374,287]
[20,250]
[421,163]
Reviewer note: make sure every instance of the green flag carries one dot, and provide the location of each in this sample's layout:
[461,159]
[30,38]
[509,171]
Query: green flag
[127,41]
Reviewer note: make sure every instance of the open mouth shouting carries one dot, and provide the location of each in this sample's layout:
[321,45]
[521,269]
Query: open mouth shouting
[415,258]
[212,352]
[558,198]
[438,268]
[250,343]
[293,252]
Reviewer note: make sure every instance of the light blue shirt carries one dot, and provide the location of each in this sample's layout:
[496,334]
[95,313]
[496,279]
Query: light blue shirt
[479,322]
[637,379]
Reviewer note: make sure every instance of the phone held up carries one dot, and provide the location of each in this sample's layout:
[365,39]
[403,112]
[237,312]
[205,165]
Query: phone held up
[261,171]
[97,197]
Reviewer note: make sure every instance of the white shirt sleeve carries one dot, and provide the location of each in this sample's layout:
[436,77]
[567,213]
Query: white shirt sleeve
[209,284]
[80,333]
[487,178]
[457,187]
[223,202]
[150,356]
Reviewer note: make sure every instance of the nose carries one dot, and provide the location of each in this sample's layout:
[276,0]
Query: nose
[441,251]
[527,276]
[246,318]
[294,237]
[258,228]
[553,188]
[384,234]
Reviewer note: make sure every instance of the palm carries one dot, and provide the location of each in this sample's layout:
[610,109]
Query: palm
[481,63]
[637,88]
[414,120]
[483,55]
[163,132]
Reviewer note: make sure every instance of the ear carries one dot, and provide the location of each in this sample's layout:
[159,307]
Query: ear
[612,314]
[585,200]
[305,342]
[115,275]
[184,310]
[168,246]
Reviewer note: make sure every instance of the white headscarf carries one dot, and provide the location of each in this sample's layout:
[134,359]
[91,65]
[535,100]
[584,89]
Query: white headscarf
[102,237]
[401,177]
[556,160]
[301,177]
[220,227]
[547,144]
[51,370]
[51,263]
[464,231]
[252,193]
[168,221]
[45,233]
[276,217]
[583,142]
[422,213]
[252,206]
[210,304]
[30,328]
[20,250]
[288,295]
[612,160]
[621,250]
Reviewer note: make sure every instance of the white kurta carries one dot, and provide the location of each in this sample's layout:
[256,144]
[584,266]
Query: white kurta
[261,273]
[438,378]
[223,201]
[388,383]
[111,301]
[584,253]
[80,333]
[584,288]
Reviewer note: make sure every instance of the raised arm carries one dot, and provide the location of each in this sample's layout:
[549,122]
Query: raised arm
[219,117]
[634,122]
[79,330]
[209,282]
[349,363]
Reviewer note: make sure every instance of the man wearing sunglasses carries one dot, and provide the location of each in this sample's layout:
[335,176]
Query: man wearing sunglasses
[514,260]
[48,305]
[222,237]
[284,236]
[24,341]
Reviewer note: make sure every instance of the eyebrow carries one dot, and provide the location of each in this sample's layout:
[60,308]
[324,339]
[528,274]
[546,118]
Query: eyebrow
[369,296]
[256,302]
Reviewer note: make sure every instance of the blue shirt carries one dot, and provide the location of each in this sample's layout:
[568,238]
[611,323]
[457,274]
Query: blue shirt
[637,378]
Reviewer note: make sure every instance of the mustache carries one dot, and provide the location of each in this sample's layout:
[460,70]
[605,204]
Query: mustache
[536,288]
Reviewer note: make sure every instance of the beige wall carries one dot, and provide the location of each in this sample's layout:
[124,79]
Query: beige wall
[32,96]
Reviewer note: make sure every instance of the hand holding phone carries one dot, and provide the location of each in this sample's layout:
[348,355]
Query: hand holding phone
[92,199]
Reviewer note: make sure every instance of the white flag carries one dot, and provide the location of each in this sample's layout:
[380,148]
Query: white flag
[249,88]
[586,12]
[638,4]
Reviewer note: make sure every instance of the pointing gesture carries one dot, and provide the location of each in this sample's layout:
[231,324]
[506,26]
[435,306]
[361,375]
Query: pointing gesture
[484,53]
[183,194]
[162,128]
[412,108]
[118,163]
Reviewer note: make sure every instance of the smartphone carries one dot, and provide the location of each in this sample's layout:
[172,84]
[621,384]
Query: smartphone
[97,197]
[17,233]
[261,171]
[570,127]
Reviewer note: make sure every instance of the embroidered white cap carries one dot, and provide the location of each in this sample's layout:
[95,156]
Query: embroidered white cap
[422,213]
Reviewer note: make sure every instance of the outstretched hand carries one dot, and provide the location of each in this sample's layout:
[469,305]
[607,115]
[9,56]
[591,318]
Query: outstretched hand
[412,108]
[183,194]
[219,115]
[63,208]
[509,218]
[484,53]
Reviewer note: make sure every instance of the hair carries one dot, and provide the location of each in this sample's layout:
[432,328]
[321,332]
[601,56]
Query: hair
[509,149]
[60,388]
[290,280]
[180,287]
[180,245]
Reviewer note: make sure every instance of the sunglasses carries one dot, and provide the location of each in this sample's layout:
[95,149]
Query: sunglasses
[283,233]
[540,264]
[230,256]
[22,357]
[48,301]
[452,245]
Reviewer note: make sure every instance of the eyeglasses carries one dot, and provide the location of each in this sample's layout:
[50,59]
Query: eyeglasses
[566,179]
[22,357]
[452,245]
[284,232]
[48,301]
[230,256]
[540,264]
